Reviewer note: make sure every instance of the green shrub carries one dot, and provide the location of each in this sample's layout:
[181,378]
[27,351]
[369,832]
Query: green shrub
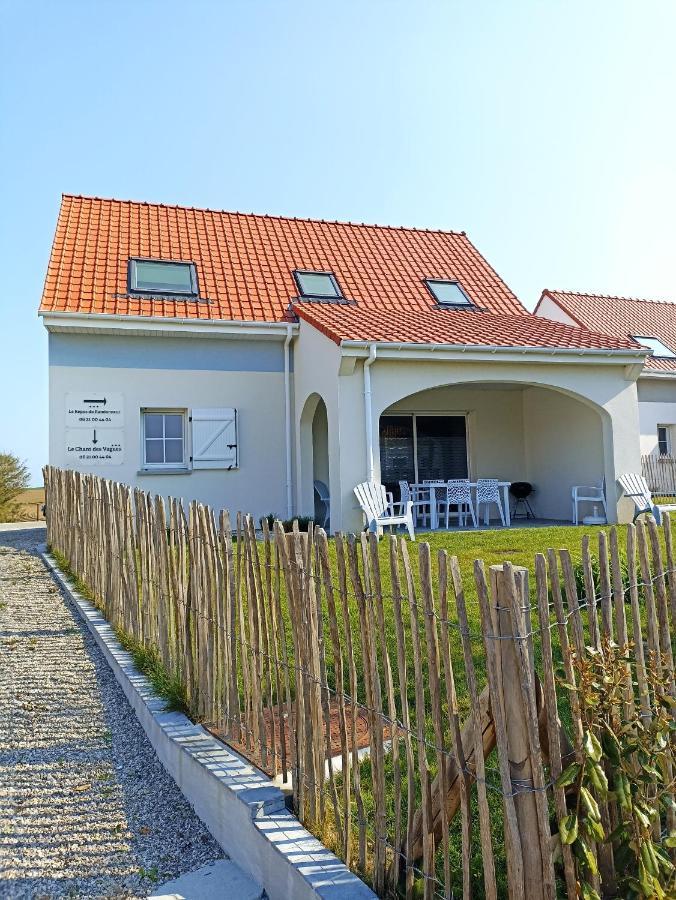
[13,481]
[626,759]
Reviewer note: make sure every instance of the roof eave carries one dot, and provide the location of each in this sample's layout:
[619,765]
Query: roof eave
[108,323]
[404,350]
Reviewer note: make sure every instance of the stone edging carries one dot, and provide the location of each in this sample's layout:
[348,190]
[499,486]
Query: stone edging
[238,803]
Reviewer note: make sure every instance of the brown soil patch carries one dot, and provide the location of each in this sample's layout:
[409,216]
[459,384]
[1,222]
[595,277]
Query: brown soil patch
[272,726]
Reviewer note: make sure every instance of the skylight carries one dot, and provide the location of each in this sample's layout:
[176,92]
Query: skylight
[318,285]
[447,293]
[656,346]
[155,276]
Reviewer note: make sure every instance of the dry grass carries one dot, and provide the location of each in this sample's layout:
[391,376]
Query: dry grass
[30,504]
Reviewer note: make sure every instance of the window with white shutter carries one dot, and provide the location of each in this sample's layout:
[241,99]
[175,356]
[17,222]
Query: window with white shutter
[214,438]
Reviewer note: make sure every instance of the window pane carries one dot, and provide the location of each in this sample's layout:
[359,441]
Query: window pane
[442,447]
[173,426]
[317,285]
[158,276]
[154,451]
[173,451]
[153,425]
[448,292]
[656,345]
[396,451]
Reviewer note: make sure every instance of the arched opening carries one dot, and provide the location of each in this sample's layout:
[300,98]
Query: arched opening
[507,431]
[314,449]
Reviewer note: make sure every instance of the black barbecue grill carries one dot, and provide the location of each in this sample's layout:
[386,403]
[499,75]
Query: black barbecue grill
[521,491]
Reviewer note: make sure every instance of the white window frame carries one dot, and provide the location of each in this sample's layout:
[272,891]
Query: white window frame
[183,466]
[132,277]
[667,439]
[431,284]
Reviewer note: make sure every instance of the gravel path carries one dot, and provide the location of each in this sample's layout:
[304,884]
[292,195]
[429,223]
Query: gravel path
[86,808]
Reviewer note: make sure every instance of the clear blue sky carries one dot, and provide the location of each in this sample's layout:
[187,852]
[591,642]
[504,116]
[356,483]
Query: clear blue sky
[544,129]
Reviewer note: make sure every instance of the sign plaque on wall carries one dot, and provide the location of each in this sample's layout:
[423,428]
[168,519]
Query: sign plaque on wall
[94,428]
[95,408]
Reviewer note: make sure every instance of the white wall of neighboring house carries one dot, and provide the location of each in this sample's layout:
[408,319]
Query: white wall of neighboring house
[656,406]
[180,373]
[548,309]
[656,396]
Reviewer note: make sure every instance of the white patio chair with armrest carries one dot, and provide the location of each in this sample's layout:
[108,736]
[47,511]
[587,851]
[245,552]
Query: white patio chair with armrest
[487,492]
[379,510]
[636,488]
[588,493]
[459,493]
[421,504]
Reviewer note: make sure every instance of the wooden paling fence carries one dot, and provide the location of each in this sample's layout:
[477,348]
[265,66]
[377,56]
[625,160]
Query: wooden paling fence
[660,473]
[412,711]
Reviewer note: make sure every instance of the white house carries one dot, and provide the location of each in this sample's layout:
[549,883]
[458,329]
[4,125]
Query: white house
[650,323]
[238,359]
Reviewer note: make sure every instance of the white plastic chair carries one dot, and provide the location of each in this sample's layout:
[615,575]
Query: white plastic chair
[487,492]
[636,488]
[588,493]
[421,505]
[322,492]
[379,510]
[459,493]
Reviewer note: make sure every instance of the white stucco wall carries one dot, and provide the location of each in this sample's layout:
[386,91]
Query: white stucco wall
[258,485]
[657,406]
[316,368]
[547,309]
[564,447]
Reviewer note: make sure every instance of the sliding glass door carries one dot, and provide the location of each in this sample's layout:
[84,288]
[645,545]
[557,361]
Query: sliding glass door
[419,447]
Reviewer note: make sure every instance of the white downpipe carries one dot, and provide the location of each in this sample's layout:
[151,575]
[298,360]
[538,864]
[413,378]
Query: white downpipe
[287,420]
[367,412]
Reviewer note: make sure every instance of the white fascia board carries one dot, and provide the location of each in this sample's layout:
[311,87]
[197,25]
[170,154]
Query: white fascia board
[482,353]
[651,374]
[164,326]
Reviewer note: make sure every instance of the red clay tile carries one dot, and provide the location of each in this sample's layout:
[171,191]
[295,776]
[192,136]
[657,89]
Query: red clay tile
[623,317]
[247,260]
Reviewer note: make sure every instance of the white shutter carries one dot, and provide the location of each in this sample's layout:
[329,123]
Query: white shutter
[214,438]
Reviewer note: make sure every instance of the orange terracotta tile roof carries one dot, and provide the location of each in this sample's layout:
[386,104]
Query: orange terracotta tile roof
[453,327]
[244,262]
[623,317]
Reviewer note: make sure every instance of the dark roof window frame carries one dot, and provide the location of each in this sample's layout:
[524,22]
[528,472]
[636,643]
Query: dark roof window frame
[656,347]
[132,278]
[466,303]
[336,295]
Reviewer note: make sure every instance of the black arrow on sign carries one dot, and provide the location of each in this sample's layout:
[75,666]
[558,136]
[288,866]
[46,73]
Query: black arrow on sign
[96,401]
[95,441]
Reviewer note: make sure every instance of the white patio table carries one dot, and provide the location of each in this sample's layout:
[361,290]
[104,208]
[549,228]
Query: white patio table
[419,488]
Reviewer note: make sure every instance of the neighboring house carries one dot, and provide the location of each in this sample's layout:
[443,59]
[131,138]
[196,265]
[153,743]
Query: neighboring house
[237,359]
[650,323]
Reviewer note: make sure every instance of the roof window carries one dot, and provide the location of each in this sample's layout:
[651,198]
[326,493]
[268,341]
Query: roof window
[155,276]
[447,293]
[318,285]
[656,346]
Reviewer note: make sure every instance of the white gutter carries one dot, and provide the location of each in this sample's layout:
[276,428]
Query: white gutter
[116,323]
[403,350]
[367,411]
[287,419]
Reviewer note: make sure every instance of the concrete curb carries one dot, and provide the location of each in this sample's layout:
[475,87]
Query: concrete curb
[239,804]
